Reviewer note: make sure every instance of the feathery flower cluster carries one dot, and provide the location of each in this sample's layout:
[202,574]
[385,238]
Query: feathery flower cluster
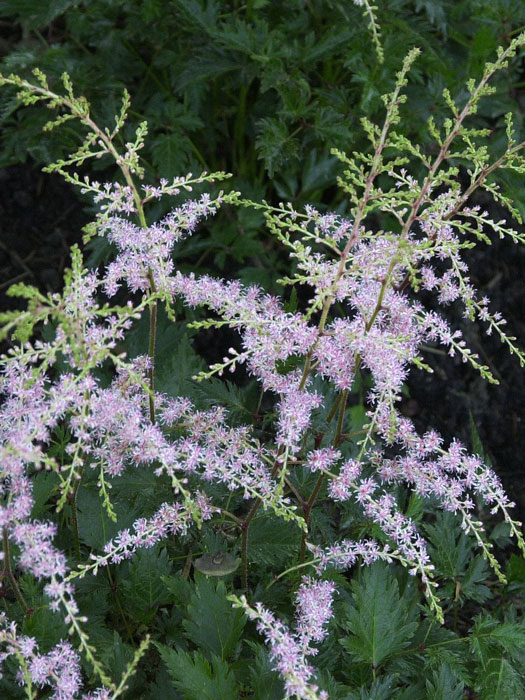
[314,609]
[168,520]
[322,459]
[147,251]
[59,668]
[448,475]
[269,336]
[219,453]
[344,554]
[288,650]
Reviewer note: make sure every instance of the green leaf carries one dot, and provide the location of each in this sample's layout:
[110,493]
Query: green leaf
[444,685]
[326,681]
[196,678]
[240,402]
[450,548]
[319,172]
[169,152]
[266,683]
[177,363]
[36,14]
[516,569]
[381,689]
[499,679]
[471,587]
[275,144]
[141,489]
[179,588]
[143,588]
[44,485]
[272,542]
[157,689]
[175,360]
[488,633]
[379,621]
[212,623]
[94,526]
[43,625]
[498,648]
[117,656]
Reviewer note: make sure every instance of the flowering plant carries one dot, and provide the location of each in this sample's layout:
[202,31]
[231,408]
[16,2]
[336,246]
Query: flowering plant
[122,454]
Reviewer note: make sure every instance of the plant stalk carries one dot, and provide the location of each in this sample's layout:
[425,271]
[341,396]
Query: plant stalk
[10,575]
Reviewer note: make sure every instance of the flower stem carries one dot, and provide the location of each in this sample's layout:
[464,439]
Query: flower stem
[74,519]
[246,524]
[307,508]
[10,575]
[151,349]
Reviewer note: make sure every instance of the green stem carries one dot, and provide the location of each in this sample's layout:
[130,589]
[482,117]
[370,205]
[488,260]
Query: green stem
[340,418]
[151,349]
[74,518]
[246,524]
[10,575]
[244,556]
[223,511]
[307,509]
[113,587]
[142,220]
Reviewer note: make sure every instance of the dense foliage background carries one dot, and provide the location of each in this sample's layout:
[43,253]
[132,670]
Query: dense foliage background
[263,89]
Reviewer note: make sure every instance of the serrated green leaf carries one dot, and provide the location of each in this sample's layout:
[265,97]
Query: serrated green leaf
[179,588]
[196,678]
[379,622]
[239,401]
[449,548]
[116,656]
[471,587]
[500,679]
[143,589]
[212,623]
[94,526]
[44,485]
[488,634]
[36,14]
[175,359]
[516,569]
[169,153]
[444,685]
[272,542]
[266,683]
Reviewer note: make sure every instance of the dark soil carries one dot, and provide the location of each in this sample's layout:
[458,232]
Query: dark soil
[40,219]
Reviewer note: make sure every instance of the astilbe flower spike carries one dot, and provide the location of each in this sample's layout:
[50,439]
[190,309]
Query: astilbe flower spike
[361,318]
[289,650]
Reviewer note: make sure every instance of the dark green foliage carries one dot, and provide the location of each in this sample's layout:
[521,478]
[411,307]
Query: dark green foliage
[211,623]
[380,689]
[273,541]
[444,685]
[261,90]
[143,589]
[499,649]
[95,528]
[198,678]
[453,553]
[265,682]
[379,622]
